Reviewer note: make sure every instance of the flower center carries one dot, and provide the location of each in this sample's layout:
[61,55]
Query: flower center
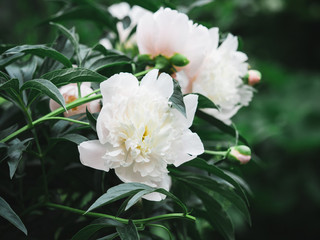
[70,99]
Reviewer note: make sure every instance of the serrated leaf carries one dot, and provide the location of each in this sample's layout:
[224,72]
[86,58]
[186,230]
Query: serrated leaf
[14,152]
[177,99]
[7,213]
[92,120]
[220,125]
[86,232]
[202,164]
[46,87]
[39,50]
[63,76]
[128,231]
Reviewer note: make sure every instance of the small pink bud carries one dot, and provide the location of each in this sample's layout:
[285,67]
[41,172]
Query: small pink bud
[70,94]
[254,77]
[240,154]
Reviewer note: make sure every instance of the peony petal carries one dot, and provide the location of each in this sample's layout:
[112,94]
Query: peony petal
[191,103]
[155,196]
[190,147]
[149,80]
[91,154]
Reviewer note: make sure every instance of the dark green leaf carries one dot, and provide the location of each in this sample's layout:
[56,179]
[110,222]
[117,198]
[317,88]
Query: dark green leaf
[7,212]
[70,75]
[4,133]
[72,36]
[86,232]
[12,84]
[22,70]
[73,137]
[92,120]
[220,125]
[177,99]
[204,102]
[128,232]
[118,192]
[39,50]
[15,150]
[4,75]
[202,164]
[150,5]
[46,87]
[109,61]
[215,213]
[109,237]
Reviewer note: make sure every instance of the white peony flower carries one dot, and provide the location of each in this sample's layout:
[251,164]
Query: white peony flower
[167,32]
[70,93]
[120,11]
[140,133]
[220,78]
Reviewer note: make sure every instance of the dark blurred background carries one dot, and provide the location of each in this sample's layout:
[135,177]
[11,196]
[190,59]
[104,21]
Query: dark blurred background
[281,38]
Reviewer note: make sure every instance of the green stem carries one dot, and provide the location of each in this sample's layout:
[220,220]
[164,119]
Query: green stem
[65,119]
[79,89]
[143,72]
[71,105]
[123,220]
[219,153]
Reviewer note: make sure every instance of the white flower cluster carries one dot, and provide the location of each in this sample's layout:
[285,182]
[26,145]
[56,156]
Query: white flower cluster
[139,133]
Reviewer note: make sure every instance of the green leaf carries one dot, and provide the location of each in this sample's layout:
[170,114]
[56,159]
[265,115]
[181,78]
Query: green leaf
[109,237]
[202,164]
[222,189]
[204,102]
[46,87]
[150,5]
[109,61]
[128,232]
[14,152]
[177,98]
[72,36]
[12,84]
[71,75]
[7,213]
[22,70]
[92,120]
[4,133]
[220,125]
[72,137]
[215,213]
[131,189]
[39,50]
[88,231]
[118,192]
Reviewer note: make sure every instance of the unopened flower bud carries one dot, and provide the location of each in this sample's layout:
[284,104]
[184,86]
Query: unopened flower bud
[240,154]
[144,58]
[179,60]
[254,77]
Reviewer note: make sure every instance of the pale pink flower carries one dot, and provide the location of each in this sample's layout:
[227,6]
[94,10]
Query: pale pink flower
[70,93]
[254,77]
[167,32]
[140,133]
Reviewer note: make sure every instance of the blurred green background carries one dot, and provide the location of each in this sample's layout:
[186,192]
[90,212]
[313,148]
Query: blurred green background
[282,123]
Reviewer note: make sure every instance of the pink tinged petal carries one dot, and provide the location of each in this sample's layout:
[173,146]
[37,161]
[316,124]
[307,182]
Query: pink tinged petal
[145,34]
[91,155]
[121,81]
[189,147]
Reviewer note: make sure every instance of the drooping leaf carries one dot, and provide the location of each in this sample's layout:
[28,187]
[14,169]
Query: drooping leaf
[63,76]
[7,213]
[177,99]
[215,213]
[14,152]
[46,87]
[88,231]
[128,232]
[202,164]
[39,50]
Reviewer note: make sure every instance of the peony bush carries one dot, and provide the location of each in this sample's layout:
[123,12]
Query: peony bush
[130,138]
